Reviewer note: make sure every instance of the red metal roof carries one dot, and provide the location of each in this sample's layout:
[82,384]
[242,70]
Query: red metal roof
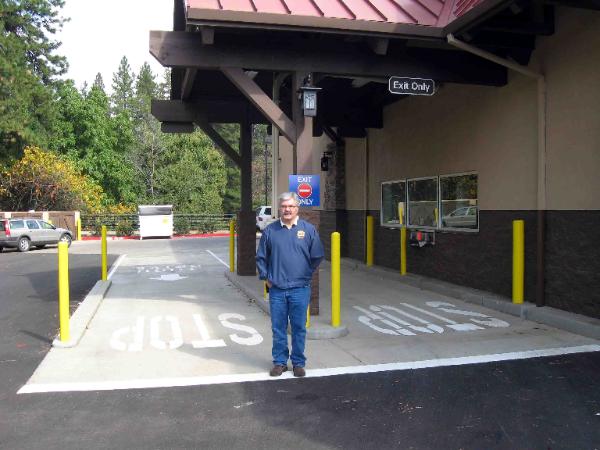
[367,15]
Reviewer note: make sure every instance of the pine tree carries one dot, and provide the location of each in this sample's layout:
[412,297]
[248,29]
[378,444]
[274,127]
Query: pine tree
[29,71]
[122,89]
[99,82]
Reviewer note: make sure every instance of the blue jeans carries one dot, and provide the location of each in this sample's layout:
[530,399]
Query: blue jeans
[289,303]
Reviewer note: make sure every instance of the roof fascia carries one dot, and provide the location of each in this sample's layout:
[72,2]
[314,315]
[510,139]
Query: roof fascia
[241,19]
[473,17]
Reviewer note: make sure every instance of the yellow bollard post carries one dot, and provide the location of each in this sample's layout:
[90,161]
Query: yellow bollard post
[436,214]
[403,251]
[104,254]
[78,226]
[232,246]
[518,277]
[308,317]
[369,241]
[63,291]
[335,279]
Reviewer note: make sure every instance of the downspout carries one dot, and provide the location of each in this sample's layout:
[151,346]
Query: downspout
[541,152]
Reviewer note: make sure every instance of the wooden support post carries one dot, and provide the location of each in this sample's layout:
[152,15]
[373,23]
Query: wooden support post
[246,241]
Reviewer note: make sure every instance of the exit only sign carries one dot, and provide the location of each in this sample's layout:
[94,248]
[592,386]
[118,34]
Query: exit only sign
[411,86]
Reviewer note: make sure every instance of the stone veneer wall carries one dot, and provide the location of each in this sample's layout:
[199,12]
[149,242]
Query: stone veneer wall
[573,261]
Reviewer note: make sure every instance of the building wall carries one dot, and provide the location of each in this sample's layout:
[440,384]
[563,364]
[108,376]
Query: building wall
[493,131]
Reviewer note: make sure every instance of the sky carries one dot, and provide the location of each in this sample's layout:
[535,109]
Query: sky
[101,32]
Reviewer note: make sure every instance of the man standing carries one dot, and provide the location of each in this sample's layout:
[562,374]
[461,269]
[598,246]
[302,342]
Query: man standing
[289,251]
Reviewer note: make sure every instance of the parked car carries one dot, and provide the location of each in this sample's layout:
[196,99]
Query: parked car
[28,232]
[263,217]
[465,217]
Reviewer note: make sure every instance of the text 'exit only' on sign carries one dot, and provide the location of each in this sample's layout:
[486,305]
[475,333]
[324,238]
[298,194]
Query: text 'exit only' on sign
[411,86]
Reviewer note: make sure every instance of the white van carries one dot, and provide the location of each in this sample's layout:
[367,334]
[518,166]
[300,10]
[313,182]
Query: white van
[263,217]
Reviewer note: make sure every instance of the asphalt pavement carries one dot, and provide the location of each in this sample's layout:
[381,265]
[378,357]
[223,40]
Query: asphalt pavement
[176,356]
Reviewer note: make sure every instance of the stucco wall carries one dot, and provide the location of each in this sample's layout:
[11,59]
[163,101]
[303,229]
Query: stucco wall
[492,131]
[571,61]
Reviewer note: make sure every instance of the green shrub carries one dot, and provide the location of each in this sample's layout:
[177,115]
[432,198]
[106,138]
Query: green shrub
[124,228]
[97,227]
[181,225]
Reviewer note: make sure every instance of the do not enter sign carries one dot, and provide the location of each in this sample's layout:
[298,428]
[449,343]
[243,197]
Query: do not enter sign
[307,188]
[304,190]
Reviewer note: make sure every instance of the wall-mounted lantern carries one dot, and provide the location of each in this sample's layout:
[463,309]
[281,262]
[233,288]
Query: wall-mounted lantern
[325,161]
[309,97]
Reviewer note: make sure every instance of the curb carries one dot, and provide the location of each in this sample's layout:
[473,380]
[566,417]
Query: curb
[547,315]
[315,331]
[137,238]
[83,314]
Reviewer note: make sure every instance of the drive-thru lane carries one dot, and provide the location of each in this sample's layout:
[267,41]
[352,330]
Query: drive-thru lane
[170,318]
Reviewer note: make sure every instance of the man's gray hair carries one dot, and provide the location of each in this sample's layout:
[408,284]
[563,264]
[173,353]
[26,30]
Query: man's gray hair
[289,196]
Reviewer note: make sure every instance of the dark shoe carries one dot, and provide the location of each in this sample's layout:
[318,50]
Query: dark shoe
[277,370]
[299,371]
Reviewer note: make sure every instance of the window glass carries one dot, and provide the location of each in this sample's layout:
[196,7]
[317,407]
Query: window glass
[268,211]
[46,225]
[16,224]
[393,203]
[423,202]
[459,201]
[32,225]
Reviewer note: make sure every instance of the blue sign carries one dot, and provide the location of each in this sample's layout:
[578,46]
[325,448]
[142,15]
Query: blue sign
[308,189]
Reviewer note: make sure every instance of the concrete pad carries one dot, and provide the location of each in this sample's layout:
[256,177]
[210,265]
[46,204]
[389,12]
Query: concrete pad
[171,318]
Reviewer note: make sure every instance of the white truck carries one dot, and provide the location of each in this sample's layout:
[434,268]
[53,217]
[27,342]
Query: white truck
[264,217]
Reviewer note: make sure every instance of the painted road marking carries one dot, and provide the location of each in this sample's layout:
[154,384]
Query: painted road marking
[218,259]
[116,265]
[169,336]
[393,322]
[169,277]
[312,373]
[168,268]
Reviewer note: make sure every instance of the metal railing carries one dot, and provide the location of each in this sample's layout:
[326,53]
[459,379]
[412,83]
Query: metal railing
[127,224]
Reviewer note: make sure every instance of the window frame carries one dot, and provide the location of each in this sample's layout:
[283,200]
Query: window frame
[457,229]
[388,224]
[436,227]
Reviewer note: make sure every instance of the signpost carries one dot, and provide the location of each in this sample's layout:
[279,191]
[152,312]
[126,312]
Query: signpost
[307,187]
[411,86]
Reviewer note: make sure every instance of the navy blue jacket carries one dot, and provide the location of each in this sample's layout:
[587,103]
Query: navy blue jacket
[288,257]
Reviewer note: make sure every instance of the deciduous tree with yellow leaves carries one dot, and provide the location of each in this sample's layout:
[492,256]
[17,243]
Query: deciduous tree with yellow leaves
[43,180]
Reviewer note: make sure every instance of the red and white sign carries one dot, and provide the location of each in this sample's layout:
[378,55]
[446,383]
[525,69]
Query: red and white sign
[304,190]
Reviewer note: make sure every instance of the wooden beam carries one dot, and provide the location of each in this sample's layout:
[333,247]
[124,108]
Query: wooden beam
[181,49]
[262,101]
[208,35]
[379,45]
[218,140]
[213,110]
[188,83]
[177,127]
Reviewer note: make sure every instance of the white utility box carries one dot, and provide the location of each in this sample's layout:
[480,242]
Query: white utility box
[155,220]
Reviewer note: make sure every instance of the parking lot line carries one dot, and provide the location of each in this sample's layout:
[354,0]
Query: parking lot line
[264,376]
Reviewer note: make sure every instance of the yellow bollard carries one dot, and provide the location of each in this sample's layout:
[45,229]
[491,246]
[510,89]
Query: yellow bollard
[403,251]
[63,291]
[436,214]
[232,246]
[104,254]
[78,226]
[369,241]
[518,277]
[308,317]
[335,279]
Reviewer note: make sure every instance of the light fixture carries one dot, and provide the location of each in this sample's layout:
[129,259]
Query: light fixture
[309,97]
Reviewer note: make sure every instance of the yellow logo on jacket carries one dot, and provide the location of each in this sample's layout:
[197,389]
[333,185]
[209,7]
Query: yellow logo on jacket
[301,234]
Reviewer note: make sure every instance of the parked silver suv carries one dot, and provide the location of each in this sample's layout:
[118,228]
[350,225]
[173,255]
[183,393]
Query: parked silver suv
[27,232]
